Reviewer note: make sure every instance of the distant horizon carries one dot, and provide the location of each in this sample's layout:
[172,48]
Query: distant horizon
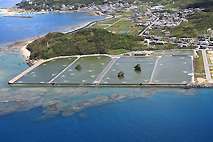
[8,3]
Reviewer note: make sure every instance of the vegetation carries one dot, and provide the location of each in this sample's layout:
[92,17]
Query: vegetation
[78,67]
[86,41]
[121,74]
[198,64]
[138,67]
[198,24]
[200,76]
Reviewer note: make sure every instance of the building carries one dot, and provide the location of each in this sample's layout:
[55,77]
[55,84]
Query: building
[138,53]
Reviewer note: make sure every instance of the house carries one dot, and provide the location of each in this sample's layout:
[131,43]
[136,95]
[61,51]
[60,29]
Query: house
[209,31]
[160,42]
[138,53]
[146,33]
[167,33]
[146,40]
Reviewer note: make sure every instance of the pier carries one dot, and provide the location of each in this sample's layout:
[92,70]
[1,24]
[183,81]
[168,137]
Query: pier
[25,72]
[153,72]
[103,73]
[63,70]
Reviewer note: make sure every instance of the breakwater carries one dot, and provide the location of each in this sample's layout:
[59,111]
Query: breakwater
[93,85]
[20,16]
[90,24]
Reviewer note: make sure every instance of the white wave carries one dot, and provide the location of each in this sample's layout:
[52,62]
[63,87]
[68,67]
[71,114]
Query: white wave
[90,70]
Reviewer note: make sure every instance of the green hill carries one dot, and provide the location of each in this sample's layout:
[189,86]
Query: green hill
[86,41]
[207,4]
[198,24]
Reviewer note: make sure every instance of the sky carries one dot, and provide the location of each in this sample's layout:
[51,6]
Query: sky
[8,3]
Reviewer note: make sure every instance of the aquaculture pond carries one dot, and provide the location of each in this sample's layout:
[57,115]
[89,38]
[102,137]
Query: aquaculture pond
[46,71]
[173,70]
[126,65]
[92,66]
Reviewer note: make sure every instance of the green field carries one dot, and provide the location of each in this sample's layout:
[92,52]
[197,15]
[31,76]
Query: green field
[198,64]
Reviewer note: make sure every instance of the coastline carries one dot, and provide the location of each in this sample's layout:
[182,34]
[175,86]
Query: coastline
[21,45]
[7,12]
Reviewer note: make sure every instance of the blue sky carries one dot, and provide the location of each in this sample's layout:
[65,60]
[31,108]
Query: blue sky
[8,3]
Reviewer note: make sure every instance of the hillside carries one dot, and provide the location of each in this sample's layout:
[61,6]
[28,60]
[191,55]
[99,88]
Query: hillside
[198,24]
[208,4]
[86,41]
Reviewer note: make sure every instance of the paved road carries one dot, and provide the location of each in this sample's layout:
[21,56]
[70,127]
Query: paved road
[153,72]
[206,65]
[103,73]
[148,27]
[113,23]
[63,70]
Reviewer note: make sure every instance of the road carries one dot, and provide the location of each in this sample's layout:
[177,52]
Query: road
[103,73]
[206,66]
[113,23]
[148,27]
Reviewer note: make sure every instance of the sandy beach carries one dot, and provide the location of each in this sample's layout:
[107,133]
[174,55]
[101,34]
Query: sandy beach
[21,46]
[7,12]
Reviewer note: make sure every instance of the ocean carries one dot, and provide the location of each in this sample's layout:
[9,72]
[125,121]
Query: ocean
[89,114]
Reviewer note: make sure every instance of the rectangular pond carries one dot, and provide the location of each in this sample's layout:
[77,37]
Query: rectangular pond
[46,71]
[173,70]
[92,66]
[126,65]
[173,52]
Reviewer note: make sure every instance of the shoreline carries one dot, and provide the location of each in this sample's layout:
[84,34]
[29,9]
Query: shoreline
[22,44]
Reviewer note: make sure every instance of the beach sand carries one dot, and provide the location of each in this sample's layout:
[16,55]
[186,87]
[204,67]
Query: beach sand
[7,12]
[20,46]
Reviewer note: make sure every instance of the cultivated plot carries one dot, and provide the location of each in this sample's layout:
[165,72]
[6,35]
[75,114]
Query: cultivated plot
[126,65]
[92,66]
[173,70]
[46,71]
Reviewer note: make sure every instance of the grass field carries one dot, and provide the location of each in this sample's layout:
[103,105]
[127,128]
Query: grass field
[198,64]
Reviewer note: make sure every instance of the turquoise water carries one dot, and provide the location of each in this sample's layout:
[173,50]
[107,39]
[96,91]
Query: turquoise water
[84,114]
[20,28]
